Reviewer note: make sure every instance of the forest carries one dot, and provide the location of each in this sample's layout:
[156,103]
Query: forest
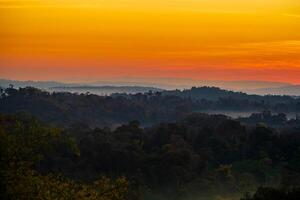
[152,146]
[65,108]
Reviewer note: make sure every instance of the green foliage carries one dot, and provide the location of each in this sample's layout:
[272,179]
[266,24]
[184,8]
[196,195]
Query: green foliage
[201,156]
[22,183]
[265,193]
[23,144]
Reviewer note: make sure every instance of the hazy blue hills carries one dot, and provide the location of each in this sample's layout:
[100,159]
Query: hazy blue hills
[165,83]
[37,84]
[293,90]
[105,90]
[208,89]
[92,88]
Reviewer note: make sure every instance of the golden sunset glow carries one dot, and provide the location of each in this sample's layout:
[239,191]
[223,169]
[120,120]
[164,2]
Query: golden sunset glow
[199,39]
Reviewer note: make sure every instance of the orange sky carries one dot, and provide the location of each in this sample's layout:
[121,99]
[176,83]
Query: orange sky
[200,39]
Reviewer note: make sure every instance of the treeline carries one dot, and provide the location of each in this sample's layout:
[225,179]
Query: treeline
[98,111]
[198,157]
[150,108]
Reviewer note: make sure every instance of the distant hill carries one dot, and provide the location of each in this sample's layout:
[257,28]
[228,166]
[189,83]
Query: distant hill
[78,87]
[106,90]
[135,85]
[293,90]
[214,94]
[37,84]
[184,83]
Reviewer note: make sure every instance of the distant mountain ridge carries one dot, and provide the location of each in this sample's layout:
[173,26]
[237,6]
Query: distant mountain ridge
[136,85]
[215,93]
[185,83]
[54,86]
[293,90]
[106,90]
[37,84]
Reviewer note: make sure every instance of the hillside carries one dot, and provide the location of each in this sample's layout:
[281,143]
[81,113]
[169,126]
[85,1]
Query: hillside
[214,94]
[65,108]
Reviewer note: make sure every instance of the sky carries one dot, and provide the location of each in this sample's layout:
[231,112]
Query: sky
[88,40]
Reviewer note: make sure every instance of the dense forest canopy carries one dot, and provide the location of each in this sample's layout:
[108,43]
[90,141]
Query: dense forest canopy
[149,108]
[25,144]
[147,146]
[203,156]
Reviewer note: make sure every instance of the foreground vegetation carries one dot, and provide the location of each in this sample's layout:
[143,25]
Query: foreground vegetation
[198,157]
[24,143]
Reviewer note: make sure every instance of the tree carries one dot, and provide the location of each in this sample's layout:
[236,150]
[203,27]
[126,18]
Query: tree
[23,144]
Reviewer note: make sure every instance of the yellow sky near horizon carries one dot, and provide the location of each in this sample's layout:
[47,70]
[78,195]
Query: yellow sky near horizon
[199,39]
